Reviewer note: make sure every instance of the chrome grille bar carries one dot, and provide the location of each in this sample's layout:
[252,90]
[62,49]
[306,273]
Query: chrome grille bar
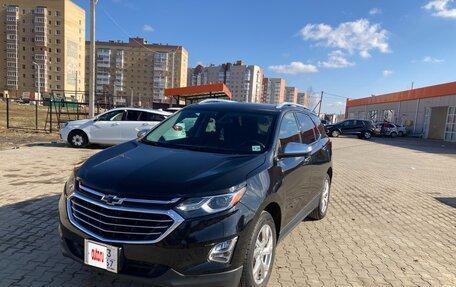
[120,224]
[135,200]
[115,224]
[117,217]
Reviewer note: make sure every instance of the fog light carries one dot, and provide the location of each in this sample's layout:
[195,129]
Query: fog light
[222,251]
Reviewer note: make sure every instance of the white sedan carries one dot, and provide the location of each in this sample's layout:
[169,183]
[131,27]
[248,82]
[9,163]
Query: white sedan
[111,127]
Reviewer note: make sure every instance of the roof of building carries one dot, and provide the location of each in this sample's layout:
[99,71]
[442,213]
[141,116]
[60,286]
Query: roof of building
[407,95]
[199,92]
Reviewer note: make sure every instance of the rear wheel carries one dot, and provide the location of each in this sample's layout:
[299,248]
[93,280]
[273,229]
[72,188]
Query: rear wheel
[322,208]
[401,134]
[78,139]
[335,133]
[260,253]
[393,134]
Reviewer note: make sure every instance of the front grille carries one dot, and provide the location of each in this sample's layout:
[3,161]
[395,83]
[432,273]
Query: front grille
[118,223]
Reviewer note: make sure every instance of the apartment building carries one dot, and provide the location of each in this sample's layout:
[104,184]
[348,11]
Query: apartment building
[303,99]
[244,81]
[44,38]
[291,94]
[136,72]
[273,90]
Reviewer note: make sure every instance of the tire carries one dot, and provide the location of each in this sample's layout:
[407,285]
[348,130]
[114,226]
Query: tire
[367,135]
[322,208]
[264,225]
[393,134]
[78,139]
[335,133]
[401,134]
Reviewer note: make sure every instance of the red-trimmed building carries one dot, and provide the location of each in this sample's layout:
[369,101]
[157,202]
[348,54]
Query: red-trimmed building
[428,111]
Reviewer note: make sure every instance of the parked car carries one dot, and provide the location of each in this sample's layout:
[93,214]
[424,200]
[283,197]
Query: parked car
[111,127]
[401,130]
[206,208]
[361,128]
[386,129]
[173,110]
[324,122]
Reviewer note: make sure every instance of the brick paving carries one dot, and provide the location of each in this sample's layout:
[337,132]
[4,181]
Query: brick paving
[392,220]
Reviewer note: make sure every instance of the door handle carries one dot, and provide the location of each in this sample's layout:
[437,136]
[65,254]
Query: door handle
[145,124]
[114,124]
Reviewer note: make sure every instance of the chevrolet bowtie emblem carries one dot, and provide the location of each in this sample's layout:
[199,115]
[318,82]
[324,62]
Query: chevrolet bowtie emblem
[112,199]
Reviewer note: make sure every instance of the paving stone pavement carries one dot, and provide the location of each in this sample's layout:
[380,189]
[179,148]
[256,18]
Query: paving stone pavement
[392,220]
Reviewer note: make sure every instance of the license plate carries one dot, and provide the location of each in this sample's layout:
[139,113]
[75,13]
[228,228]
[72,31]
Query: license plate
[101,255]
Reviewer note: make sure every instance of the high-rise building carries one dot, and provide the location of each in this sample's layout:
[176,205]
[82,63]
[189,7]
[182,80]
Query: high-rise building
[291,94]
[273,90]
[244,81]
[45,34]
[138,70]
[302,99]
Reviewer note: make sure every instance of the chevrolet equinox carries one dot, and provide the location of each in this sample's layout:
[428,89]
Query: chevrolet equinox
[203,198]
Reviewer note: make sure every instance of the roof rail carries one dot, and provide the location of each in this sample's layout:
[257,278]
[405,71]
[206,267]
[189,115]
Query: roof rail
[290,104]
[206,101]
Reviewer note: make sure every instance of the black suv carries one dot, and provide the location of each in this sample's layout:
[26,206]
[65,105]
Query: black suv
[360,128]
[203,198]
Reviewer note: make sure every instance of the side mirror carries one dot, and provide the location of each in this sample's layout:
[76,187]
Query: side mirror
[142,133]
[95,119]
[293,149]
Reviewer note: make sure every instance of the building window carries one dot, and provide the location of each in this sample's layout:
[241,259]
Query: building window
[450,129]
[59,50]
[57,32]
[57,23]
[57,69]
[57,41]
[57,13]
[388,115]
[372,115]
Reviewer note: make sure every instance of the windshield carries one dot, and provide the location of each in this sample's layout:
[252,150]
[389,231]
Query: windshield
[215,131]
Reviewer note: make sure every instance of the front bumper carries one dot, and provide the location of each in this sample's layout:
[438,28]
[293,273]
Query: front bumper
[180,259]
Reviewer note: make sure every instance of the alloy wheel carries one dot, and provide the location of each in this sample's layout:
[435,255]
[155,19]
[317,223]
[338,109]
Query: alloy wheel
[262,255]
[77,140]
[324,197]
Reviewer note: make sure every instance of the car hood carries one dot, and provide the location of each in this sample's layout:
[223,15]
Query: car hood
[79,123]
[142,170]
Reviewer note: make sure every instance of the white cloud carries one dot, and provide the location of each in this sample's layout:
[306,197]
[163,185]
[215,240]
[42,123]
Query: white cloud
[441,8]
[200,63]
[429,59]
[294,68]
[336,59]
[358,36]
[375,11]
[387,73]
[148,28]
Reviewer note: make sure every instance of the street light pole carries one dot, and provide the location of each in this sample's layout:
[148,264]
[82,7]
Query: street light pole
[39,83]
[131,97]
[92,60]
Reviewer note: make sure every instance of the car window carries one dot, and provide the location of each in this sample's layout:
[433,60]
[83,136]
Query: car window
[151,117]
[289,130]
[348,123]
[112,116]
[318,123]
[308,130]
[132,115]
[216,131]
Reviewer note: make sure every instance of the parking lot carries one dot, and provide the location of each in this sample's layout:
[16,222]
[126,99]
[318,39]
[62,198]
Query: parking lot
[392,219]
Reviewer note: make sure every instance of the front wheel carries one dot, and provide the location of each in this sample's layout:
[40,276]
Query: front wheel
[367,135]
[335,133]
[260,253]
[78,138]
[393,134]
[401,134]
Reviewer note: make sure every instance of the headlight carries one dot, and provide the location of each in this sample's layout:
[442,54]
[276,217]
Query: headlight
[70,184]
[199,206]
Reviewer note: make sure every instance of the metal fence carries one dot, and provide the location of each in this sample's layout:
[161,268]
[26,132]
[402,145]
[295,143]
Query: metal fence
[50,114]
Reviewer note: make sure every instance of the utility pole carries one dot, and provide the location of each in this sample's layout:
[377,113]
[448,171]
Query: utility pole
[39,83]
[92,60]
[321,101]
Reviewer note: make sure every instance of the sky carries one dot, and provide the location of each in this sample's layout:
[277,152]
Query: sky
[348,49]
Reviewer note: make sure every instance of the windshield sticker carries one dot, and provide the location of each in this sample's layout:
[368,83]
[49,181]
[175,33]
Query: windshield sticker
[256,148]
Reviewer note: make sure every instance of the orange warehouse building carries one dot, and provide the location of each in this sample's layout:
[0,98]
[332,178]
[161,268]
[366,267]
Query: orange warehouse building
[429,112]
